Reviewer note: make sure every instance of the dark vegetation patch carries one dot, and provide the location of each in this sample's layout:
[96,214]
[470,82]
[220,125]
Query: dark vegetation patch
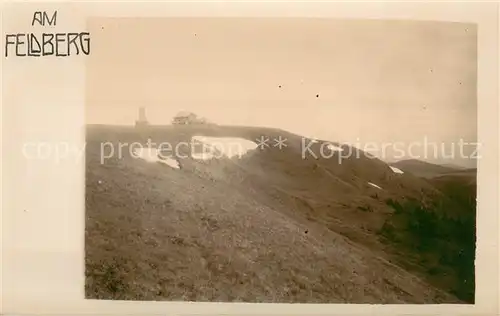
[107,278]
[438,240]
[365,208]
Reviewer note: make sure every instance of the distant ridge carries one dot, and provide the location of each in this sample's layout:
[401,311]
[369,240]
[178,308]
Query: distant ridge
[425,169]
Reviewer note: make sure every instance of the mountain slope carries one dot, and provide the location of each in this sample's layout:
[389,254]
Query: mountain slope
[272,226]
[439,240]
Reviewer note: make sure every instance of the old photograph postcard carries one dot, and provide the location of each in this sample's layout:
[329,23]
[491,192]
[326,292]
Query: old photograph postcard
[221,161]
[215,156]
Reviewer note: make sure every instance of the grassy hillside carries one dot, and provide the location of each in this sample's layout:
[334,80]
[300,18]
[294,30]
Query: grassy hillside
[438,241]
[270,227]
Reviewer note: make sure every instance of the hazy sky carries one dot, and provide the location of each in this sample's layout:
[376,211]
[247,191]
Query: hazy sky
[377,81]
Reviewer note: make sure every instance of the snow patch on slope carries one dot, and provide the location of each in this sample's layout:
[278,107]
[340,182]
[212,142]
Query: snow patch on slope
[374,185]
[333,147]
[217,147]
[396,170]
[153,155]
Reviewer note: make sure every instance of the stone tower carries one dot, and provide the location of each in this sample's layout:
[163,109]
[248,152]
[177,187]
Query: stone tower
[142,121]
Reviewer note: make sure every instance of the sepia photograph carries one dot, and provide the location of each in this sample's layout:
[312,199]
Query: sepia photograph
[281,160]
